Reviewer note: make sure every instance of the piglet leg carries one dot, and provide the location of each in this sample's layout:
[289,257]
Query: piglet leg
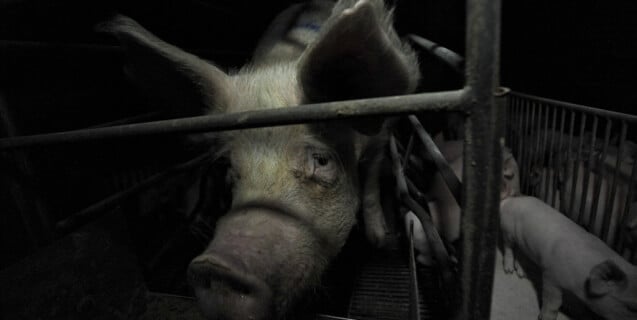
[551,300]
[508,259]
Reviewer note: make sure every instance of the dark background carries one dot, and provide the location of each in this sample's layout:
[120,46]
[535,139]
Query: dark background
[578,51]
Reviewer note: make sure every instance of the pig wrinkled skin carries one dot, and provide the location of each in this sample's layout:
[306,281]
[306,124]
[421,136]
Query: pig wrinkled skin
[295,189]
[570,258]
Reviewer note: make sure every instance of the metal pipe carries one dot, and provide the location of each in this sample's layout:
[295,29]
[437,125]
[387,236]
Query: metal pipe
[434,240]
[583,208]
[601,175]
[450,178]
[482,163]
[449,57]
[414,306]
[385,106]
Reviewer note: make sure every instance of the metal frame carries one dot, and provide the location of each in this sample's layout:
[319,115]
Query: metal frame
[542,135]
[482,155]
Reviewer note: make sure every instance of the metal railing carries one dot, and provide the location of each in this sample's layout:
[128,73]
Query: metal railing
[579,160]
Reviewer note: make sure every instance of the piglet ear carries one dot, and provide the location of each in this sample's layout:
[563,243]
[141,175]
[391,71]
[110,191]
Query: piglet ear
[358,55]
[183,83]
[604,278]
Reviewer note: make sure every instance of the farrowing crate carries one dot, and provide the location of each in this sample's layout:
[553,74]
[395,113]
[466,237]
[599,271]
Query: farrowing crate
[564,149]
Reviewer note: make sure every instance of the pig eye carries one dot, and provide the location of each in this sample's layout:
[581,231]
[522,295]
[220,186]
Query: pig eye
[322,166]
[320,159]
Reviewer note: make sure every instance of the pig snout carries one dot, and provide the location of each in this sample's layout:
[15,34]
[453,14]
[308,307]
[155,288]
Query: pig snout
[226,290]
[259,262]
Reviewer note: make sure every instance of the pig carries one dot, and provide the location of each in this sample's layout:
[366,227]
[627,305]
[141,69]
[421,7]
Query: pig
[296,189]
[570,258]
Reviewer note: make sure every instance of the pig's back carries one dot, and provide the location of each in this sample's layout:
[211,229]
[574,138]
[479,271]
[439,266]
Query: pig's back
[558,245]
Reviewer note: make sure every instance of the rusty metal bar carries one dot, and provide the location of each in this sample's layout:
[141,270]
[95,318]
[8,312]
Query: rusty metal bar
[560,161]
[342,110]
[482,163]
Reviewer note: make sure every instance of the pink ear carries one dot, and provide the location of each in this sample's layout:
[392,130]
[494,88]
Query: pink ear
[185,84]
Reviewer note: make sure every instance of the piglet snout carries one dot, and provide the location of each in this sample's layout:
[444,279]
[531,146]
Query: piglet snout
[226,290]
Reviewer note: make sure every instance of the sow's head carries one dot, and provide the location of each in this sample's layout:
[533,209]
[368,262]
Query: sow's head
[295,189]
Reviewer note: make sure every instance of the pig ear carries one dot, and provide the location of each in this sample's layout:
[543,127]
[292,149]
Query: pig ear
[358,55]
[604,278]
[185,84]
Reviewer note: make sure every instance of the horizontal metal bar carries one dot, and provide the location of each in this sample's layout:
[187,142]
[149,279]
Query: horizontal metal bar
[572,106]
[341,110]
[451,58]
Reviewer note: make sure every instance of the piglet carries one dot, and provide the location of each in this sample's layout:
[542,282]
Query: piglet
[570,258]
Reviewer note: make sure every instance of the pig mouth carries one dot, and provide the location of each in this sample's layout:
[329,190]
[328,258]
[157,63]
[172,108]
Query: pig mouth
[225,289]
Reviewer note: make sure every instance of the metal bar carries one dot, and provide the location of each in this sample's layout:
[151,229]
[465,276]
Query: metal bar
[433,237]
[482,163]
[414,306]
[557,185]
[521,151]
[576,164]
[619,240]
[134,119]
[449,57]
[543,157]
[610,199]
[453,183]
[587,175]
[530,154]
[386,106]
[549,193]
[100,207]
[537,154]
[563,206]
[410,146]
[578,107]
[601,175]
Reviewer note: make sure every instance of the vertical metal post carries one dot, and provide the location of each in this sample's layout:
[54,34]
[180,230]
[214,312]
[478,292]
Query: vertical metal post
[484,135]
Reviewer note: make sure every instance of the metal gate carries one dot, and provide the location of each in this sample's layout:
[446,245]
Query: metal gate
[580,160]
